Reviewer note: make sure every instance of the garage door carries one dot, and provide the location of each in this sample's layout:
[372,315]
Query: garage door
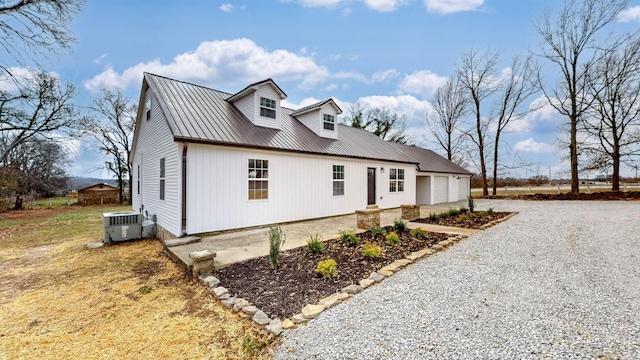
[463,188]
[441,189]
[423,190]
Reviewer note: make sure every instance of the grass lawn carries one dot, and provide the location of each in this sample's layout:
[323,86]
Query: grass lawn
[59,300]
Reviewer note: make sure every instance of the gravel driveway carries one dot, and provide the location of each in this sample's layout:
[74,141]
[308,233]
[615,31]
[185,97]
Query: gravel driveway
[561,280]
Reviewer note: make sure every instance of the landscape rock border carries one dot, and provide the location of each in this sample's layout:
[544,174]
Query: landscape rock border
[276,326]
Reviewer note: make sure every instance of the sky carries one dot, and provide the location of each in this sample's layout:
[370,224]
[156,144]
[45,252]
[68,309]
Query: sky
[381,53]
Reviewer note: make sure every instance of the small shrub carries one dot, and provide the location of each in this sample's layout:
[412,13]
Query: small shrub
[377,230]
[452,212]
[433,217]
[463,209]
[462,218]
[399,225]
[470,203]
[475,215]
[489,210]
[145,289]
[418,234]
[349,238]
[315,244]
[252,346]
[276,240]
[327,268]
[371,250]
[392,238]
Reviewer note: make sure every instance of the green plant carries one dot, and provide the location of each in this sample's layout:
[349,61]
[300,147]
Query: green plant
[145,289]
[433,217]
[418,234]
[392,238]
[399,225]
[463,209]
[327,268]
[452,212]
[462,218]
[489,210]
[349,238]
[371,250]
[315,244]
[252,346]
[377,230]
[276,240]
[471,203]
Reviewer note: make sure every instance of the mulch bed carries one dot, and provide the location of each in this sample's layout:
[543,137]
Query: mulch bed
[284,292]
[466,220]
[605,195]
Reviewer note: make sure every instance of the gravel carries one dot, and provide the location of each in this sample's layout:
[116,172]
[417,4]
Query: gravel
[559,280]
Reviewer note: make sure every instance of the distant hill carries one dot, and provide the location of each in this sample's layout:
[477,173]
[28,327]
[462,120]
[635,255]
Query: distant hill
[78,183]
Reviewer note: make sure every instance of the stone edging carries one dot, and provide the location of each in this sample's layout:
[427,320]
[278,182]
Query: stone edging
[276,326]
[311,311]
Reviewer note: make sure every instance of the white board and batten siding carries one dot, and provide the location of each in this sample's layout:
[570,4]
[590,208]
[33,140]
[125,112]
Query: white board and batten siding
[300,187]
[156,139]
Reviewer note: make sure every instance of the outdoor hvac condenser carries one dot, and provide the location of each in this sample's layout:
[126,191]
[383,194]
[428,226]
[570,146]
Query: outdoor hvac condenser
[122,226]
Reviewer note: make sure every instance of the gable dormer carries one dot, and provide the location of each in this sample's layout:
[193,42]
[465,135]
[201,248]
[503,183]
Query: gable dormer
[321,118]
[260,103]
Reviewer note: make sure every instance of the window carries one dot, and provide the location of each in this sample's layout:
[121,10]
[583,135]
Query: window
[267,108]
[338,180]
[138,180]
[162,173]
[258,179]
[147,107]
[329,122]
[396,180]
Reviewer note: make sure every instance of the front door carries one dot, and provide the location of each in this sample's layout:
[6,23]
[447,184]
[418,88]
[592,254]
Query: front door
[371,186]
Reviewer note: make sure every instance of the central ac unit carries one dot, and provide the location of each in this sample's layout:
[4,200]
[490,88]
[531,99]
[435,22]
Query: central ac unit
[122,226]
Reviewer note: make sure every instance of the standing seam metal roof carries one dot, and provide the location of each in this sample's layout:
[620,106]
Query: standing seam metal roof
[199,114]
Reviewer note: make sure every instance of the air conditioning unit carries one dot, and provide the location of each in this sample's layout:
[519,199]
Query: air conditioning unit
[122,226]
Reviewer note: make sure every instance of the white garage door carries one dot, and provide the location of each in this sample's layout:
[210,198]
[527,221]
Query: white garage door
[463,188]
[423,190]
[441,189]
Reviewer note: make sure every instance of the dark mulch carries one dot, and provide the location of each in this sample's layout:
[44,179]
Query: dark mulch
[466,220]
[605,195]
[284,292]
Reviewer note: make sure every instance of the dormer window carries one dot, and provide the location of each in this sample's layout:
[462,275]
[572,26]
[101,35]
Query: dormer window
[329,122]
[267,108]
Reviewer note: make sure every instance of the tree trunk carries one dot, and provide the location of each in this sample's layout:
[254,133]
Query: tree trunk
[495,164]
[573,149]
[615,177]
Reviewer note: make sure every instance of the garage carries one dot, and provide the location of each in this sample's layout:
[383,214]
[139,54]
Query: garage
[463,188]
[440,189]
[423,190]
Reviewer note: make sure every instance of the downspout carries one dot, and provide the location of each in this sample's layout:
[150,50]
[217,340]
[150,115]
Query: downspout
[184,188]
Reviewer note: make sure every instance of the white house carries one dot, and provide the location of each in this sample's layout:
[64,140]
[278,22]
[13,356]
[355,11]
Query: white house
[204,160]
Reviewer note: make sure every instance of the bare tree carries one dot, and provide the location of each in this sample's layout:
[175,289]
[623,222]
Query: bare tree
[382,122]
[475,76]
[112,124]
[443,123]
[614,119]
[514,90]
[569,42]
[39,109]
[36,27]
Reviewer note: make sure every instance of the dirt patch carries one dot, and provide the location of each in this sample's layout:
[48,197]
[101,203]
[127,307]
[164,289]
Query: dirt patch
[596,196]
[466,220]
[146,269]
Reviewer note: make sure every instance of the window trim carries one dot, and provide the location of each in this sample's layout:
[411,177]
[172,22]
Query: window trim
[162,190]
[329,122]
[147,106]
[396,180]
[268,107]
[260,167]
[338,178]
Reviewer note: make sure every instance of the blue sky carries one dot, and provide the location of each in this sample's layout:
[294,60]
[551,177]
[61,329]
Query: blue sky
[390,53]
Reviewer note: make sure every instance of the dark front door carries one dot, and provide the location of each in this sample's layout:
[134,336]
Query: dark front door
[371,186]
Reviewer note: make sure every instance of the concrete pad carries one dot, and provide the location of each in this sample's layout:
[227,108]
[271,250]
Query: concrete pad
[181,241]
[95,245]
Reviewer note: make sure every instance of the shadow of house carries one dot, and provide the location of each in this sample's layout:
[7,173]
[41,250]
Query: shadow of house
[98,194]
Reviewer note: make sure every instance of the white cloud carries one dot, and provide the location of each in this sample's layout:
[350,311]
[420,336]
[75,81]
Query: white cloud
[630,14]
[305,102]
[404,105]
[238,61]
[226,8]
[383,76]
[317,3]
[542,118]
[99,59]
[346,12]
[384,5]
[423,83]
[531,146]
[451,6]
[352,75]
[13,78]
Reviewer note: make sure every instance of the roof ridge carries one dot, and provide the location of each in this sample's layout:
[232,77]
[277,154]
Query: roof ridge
[187,83]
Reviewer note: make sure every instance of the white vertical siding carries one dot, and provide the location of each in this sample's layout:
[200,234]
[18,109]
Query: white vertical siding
[463,187]
[440,189]
[154,142]
[300,187]
[423,190]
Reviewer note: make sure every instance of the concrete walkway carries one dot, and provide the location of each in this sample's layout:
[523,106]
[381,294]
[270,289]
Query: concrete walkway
[242,245]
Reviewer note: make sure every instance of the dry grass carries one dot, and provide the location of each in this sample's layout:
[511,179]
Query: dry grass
[127,301]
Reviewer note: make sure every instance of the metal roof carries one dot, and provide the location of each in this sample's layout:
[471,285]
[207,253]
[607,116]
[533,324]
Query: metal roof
[200,114]
[315,106]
